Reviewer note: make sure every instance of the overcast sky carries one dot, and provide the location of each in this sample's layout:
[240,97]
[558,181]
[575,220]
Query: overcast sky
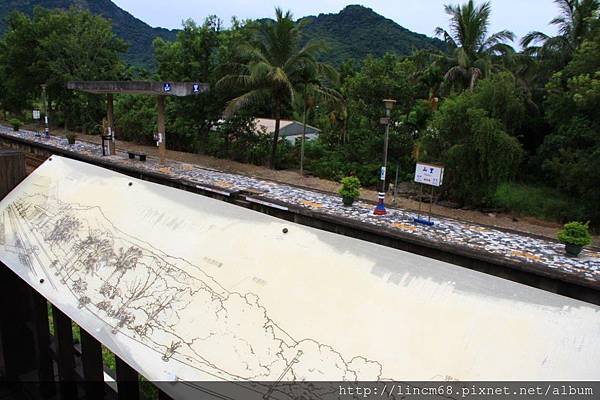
[421,16]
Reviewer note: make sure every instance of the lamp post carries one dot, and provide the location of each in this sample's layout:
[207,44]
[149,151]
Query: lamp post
[47,129]
[389,104]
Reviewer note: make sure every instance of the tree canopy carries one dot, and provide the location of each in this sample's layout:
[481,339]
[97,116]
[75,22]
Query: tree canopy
[506,123]
[52,48]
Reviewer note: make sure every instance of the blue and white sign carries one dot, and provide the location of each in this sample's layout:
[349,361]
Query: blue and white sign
[166,87]
[427,174]
[196,88]
[382,174]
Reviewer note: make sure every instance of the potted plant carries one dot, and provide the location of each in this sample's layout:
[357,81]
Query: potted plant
[15,123]
[350,190]
[575,235]
[71,137]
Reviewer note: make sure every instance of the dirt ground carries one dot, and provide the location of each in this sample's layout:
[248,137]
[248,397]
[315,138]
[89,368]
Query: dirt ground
[502,220]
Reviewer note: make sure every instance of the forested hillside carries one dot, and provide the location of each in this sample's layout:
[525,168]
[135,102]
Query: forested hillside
[137,34]
[357,31]
[353,33]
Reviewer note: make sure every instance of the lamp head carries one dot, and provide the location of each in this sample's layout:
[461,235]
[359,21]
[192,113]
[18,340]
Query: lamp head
[389,103]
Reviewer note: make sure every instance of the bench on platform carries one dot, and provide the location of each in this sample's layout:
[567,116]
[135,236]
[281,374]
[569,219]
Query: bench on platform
[134,154]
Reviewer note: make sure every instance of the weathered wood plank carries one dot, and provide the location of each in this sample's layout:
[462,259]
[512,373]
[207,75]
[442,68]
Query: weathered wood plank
[63,331]
[41,334]
[128,386]
[12,170]
[93,370]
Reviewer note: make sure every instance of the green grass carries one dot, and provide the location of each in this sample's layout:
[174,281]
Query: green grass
[536,201]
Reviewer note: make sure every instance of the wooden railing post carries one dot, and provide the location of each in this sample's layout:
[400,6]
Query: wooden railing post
[63,331]
[16,338]
[41,334]
[12,170]
[18,356]
[128,385]
[93,370]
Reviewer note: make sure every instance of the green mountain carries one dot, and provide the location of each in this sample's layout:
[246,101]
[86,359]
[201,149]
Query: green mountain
[136,33]
[357,31]
[353,33]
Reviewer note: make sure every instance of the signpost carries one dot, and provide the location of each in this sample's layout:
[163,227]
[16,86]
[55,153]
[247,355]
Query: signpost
[430,175]
[166,87]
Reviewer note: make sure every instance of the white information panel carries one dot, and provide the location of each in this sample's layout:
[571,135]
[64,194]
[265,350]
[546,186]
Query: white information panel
[188,288]
[428,174]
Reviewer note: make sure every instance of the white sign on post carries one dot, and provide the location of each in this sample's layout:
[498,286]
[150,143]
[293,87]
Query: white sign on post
[427,174]
[36,114]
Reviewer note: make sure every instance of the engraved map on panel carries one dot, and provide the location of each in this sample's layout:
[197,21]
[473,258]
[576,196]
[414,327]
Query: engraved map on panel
[147,295]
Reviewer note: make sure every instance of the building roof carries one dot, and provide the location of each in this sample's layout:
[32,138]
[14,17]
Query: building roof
[286,128]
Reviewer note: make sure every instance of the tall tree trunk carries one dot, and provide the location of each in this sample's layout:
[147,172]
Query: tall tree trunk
[275,134]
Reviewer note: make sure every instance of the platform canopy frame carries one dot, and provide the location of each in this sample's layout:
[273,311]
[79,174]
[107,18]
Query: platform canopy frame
[149,88]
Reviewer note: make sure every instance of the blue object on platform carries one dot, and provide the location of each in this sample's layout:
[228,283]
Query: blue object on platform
[380,209]
[423,222]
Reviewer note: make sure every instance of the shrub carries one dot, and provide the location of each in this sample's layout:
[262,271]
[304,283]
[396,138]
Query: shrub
[575,233]
[15,123]
[478,153]
[350,188]
[71,137]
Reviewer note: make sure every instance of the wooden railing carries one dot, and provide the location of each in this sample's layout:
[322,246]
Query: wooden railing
[41,357]
[43,353]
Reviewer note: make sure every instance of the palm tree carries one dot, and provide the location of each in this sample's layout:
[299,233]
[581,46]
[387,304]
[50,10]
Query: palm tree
[574,24]
[276,68]
[471,47]
[313,85]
